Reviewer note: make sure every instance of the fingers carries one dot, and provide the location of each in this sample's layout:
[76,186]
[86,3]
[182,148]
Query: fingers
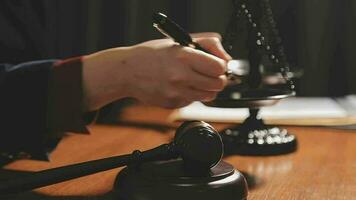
[205,83]
[203,63]
[213,45]
[187,77]
[194,88]
[184,96]
[200,95]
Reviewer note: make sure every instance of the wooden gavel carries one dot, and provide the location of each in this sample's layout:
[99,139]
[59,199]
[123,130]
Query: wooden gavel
[196,142]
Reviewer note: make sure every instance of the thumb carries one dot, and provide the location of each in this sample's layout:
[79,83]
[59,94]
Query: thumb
[206,34]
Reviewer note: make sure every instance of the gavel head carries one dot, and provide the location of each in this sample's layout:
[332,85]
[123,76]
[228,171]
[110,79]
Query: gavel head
[199,144]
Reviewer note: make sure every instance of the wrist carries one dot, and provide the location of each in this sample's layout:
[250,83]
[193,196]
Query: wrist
[104,77]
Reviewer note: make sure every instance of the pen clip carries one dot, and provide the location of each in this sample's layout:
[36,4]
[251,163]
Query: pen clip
[161,30]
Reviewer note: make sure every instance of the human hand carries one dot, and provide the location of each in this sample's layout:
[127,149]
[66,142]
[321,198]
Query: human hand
[157,72]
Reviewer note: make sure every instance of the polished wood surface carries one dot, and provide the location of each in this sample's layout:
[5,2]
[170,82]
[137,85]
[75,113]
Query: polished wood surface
[324,167]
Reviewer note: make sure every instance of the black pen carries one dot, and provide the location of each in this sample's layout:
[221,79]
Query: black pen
[171,29]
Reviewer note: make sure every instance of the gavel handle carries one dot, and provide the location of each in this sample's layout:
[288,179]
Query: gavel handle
[60,174]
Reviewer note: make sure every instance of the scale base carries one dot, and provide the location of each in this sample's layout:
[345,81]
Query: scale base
[255,138]
[168,180]
[259,144]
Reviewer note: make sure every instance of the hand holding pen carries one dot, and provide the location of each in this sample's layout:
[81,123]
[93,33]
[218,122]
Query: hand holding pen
[172,30]
[157,72]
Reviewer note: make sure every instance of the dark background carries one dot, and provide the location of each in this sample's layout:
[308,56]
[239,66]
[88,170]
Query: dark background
[318,35]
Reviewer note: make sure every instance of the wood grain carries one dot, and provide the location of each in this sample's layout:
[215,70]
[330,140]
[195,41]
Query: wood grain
[323,168]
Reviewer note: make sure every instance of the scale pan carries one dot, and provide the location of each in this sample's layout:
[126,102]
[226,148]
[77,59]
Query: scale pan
[250,98]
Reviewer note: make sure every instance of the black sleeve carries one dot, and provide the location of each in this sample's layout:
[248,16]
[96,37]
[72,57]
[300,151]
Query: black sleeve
[23,108]
[40,101]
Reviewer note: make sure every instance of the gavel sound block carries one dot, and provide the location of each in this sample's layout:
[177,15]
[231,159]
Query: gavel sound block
[200,174]
[169,180]
[188,168]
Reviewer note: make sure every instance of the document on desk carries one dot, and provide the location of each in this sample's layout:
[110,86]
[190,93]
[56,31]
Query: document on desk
[311,111]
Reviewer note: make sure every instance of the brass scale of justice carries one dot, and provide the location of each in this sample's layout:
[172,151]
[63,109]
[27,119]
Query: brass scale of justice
[190,167]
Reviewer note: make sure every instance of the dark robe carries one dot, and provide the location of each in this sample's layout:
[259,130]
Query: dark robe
[35,94]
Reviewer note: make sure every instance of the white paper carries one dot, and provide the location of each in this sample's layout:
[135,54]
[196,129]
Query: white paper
[291,108]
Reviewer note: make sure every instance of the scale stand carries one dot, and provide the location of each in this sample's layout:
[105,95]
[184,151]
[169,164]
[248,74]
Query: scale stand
[253,137]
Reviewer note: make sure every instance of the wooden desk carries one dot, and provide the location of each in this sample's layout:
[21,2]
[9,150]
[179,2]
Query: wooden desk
[324,167]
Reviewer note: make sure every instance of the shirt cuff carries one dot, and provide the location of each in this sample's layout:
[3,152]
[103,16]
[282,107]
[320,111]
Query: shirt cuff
[65,105]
